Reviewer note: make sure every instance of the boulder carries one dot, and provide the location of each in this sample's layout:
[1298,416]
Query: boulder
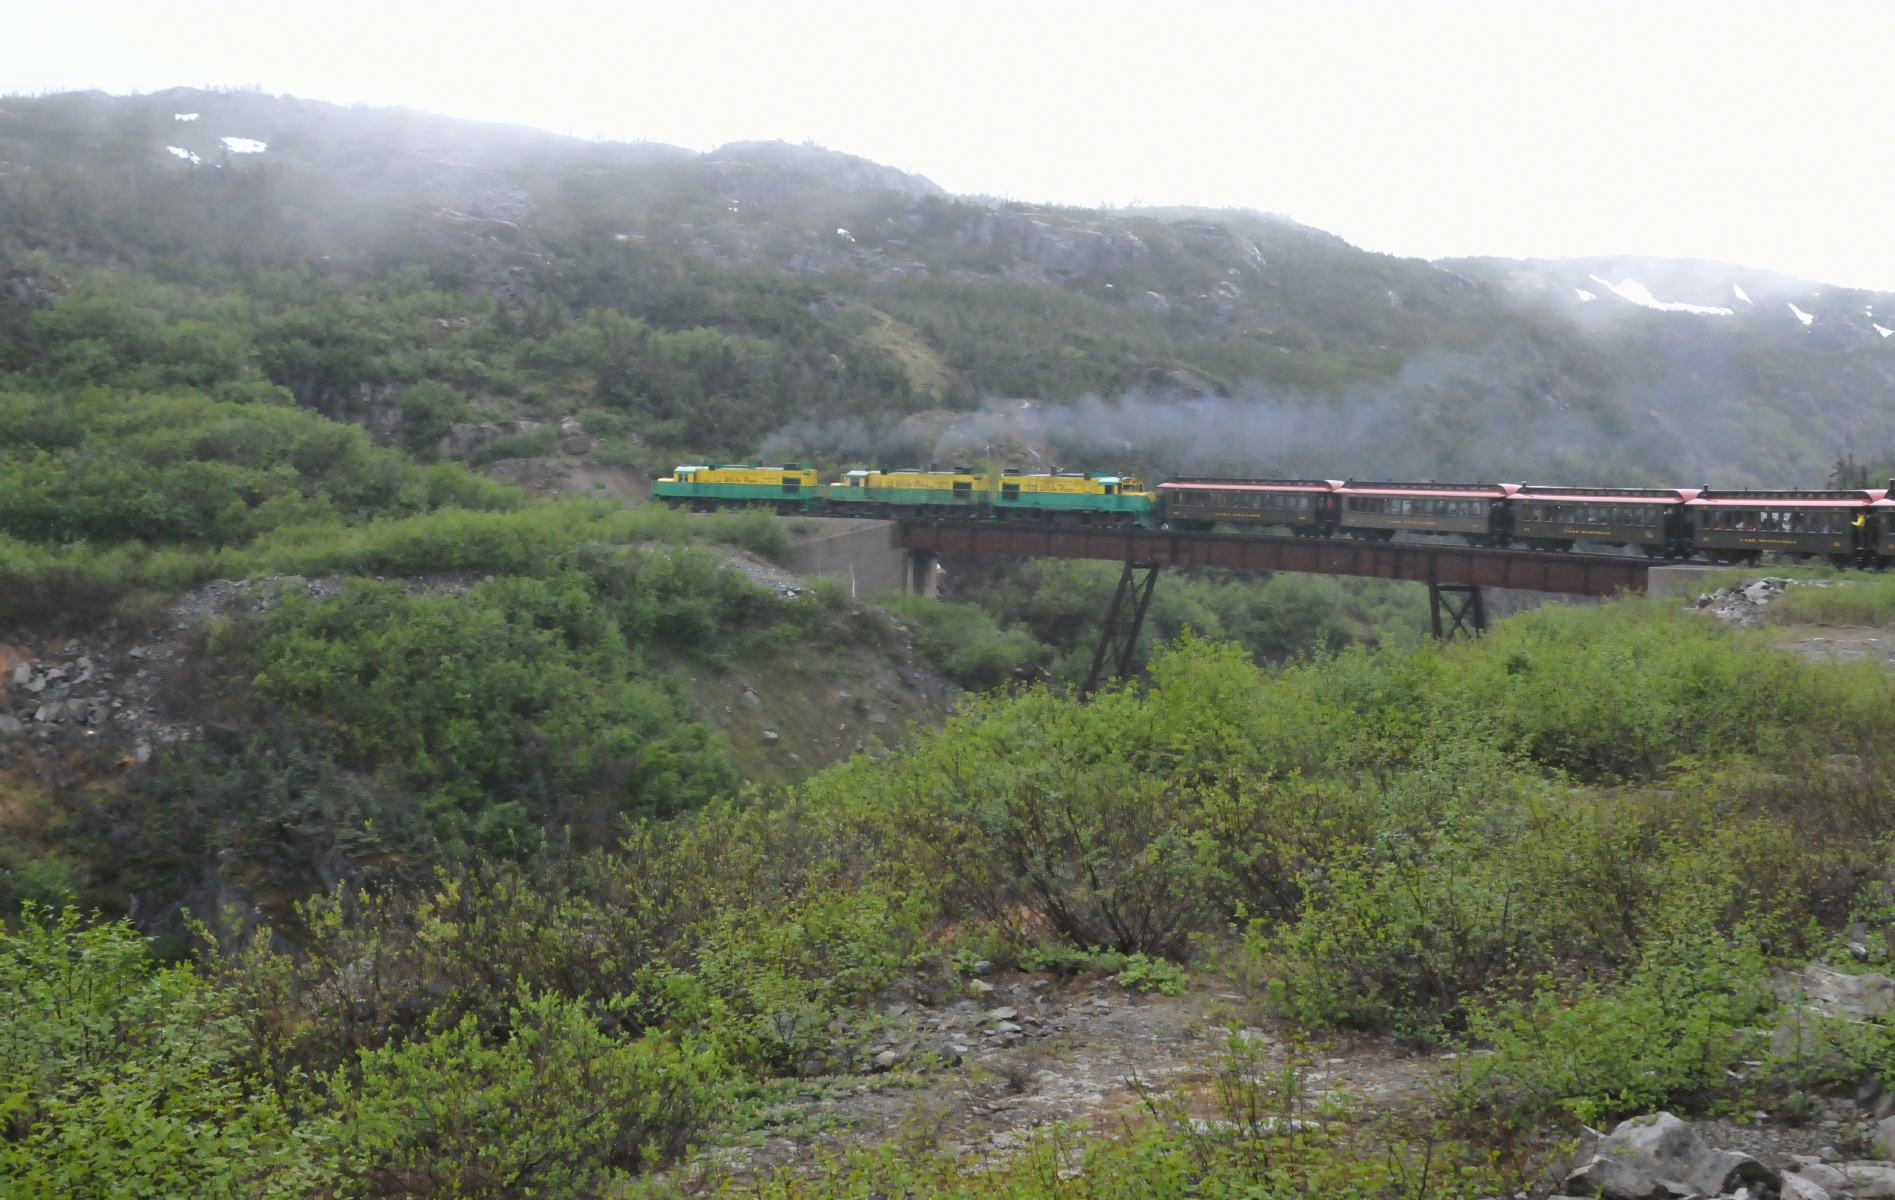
[464,437]
[1802,1187]
[11,726]
[1866,1180]
[886,1059]
[573,438]
[1660,1155]
[1835,994]
[1602,1176]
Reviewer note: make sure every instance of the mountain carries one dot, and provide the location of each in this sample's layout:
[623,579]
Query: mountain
[417,274]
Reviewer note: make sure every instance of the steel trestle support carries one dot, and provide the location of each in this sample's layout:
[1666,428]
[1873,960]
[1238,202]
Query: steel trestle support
[1119,636]
[1467,615]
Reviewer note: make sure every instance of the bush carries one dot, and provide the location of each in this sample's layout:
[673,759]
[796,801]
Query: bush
[509,700]
[1089,815]
[557,1107]
[962,642]
[123,1078]
[1669,1034]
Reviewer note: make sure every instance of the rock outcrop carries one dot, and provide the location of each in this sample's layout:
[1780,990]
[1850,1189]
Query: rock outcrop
[1745,605]
[1661,1157]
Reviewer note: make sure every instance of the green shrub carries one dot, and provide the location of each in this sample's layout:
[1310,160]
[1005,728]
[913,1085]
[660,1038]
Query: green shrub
[496,701]
[1671,1033]
[121,1077]
[556,1107]
[1139,971]
[962,642]
[111,467]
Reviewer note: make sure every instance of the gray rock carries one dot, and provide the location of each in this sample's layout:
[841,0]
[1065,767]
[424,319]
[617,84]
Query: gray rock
[1614,1180]
[1801,1187]
[11,726]
[1659,1155]
[1867,1180]
[573,438]
[465,437]
[769,737]
[1821,1174]
[22,675]
[1836,994]
[1004,1014]
[752,699]
[1008,1027]
[886,1059]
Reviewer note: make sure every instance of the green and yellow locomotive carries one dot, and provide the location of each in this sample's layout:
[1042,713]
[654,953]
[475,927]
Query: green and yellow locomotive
[1063,497]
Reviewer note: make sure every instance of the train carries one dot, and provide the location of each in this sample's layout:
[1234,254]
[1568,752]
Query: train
[1847,526]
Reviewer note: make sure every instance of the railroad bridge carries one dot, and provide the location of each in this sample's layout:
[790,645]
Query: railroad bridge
[1454,574]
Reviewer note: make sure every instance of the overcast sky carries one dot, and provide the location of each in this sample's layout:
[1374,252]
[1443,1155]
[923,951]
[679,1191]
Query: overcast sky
[1755,135]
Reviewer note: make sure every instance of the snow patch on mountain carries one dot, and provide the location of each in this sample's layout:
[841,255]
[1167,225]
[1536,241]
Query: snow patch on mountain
[1639,294]
[237,145]
[1741,296]
[181,152]
[1802,316]
[1585,297]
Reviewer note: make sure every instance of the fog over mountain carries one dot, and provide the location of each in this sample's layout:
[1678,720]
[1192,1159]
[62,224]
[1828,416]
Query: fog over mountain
[793,300]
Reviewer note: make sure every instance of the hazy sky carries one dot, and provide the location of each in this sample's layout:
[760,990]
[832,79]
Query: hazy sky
[1758,135]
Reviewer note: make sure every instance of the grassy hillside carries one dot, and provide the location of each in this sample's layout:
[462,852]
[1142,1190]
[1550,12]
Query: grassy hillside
[408,273]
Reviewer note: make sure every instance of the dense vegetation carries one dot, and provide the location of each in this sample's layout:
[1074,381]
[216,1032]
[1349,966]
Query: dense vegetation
[1581,843]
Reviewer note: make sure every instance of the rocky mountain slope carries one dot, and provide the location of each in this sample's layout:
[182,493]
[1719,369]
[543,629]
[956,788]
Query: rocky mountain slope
[854,311]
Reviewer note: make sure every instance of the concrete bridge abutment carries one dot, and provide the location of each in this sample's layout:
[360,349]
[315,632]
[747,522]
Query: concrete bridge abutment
[868,554]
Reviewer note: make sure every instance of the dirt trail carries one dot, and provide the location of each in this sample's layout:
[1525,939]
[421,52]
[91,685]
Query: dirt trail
[1034,1052]
[1839,644]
